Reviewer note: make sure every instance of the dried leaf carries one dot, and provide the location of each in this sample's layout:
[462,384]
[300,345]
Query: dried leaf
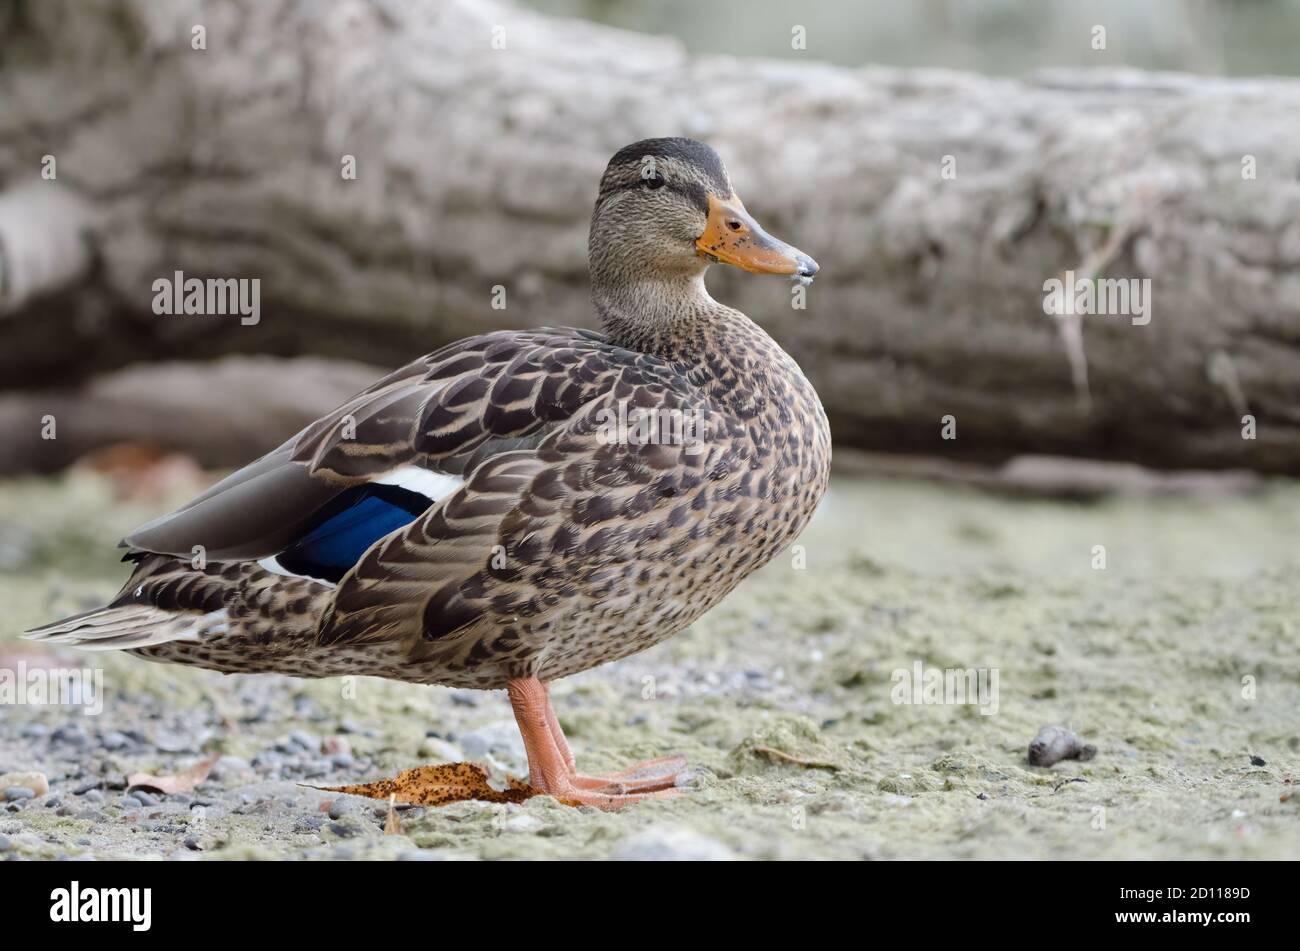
[392,825]
[440,785]
[182,782]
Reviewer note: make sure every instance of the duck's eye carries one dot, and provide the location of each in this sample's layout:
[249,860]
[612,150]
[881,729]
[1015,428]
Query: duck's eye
[654,181]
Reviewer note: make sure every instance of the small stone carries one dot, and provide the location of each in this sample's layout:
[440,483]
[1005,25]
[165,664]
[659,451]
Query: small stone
[36,782]
[337,745]
[71,735]
[338,809]
[18,793]
[144,798]
[114,740]
[440,751]
[522,823]
[501,738]
[5,843]
[343,830]
[670,843]
[304,740]
[1055,743]
[230,767]
[421,855]
[129,802]
[1258,761]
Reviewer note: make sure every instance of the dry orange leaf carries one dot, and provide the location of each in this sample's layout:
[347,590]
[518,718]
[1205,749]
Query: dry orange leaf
[440,785]
[182,782]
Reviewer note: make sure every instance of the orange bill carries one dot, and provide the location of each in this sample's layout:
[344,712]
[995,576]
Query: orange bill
[732,236]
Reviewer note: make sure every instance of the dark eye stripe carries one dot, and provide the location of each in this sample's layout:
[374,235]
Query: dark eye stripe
[695,193]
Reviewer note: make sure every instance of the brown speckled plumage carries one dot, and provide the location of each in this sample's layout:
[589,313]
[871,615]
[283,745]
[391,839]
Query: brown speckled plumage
[562,549]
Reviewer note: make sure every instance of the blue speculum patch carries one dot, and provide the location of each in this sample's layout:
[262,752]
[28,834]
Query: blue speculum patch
[341,531]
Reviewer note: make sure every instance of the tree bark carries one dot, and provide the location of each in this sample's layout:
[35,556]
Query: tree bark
[476,167]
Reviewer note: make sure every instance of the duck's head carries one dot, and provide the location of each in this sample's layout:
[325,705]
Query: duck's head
[666,210]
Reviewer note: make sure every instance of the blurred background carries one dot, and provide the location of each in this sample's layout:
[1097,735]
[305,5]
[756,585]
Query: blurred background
[1102,507]
[996,37]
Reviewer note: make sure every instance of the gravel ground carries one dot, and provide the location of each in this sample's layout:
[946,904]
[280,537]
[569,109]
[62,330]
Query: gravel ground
[1178,661]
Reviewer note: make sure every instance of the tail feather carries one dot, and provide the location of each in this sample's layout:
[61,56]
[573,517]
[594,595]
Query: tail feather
[127,626]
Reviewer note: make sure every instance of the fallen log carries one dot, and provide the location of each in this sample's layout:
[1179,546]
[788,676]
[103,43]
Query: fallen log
[938,204]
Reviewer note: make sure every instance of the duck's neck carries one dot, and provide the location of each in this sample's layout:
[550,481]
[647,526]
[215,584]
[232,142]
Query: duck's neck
[726,353]
[663,316]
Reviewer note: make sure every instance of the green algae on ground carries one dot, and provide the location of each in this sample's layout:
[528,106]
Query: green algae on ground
[1178,660]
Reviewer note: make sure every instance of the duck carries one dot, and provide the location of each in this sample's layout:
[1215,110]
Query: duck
[520,505]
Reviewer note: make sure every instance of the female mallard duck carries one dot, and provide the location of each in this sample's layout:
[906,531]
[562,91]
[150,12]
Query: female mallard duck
[497,514]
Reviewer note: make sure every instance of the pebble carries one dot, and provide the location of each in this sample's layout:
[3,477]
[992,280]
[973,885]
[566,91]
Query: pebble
[305,740]
[1258,761]
[71,735]
[36,782]
[5,844]
[1055,743]
[501,738]
[440,751]
[338,809]
[670,843]
[229,767]
[17,793]
[114,740]
[336,746]
[522,823]
[129,802]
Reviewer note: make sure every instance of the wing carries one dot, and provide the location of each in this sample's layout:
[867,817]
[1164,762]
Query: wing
[532,527]
[381,459]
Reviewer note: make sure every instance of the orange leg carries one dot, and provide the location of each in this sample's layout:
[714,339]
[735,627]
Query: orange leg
[550,761]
